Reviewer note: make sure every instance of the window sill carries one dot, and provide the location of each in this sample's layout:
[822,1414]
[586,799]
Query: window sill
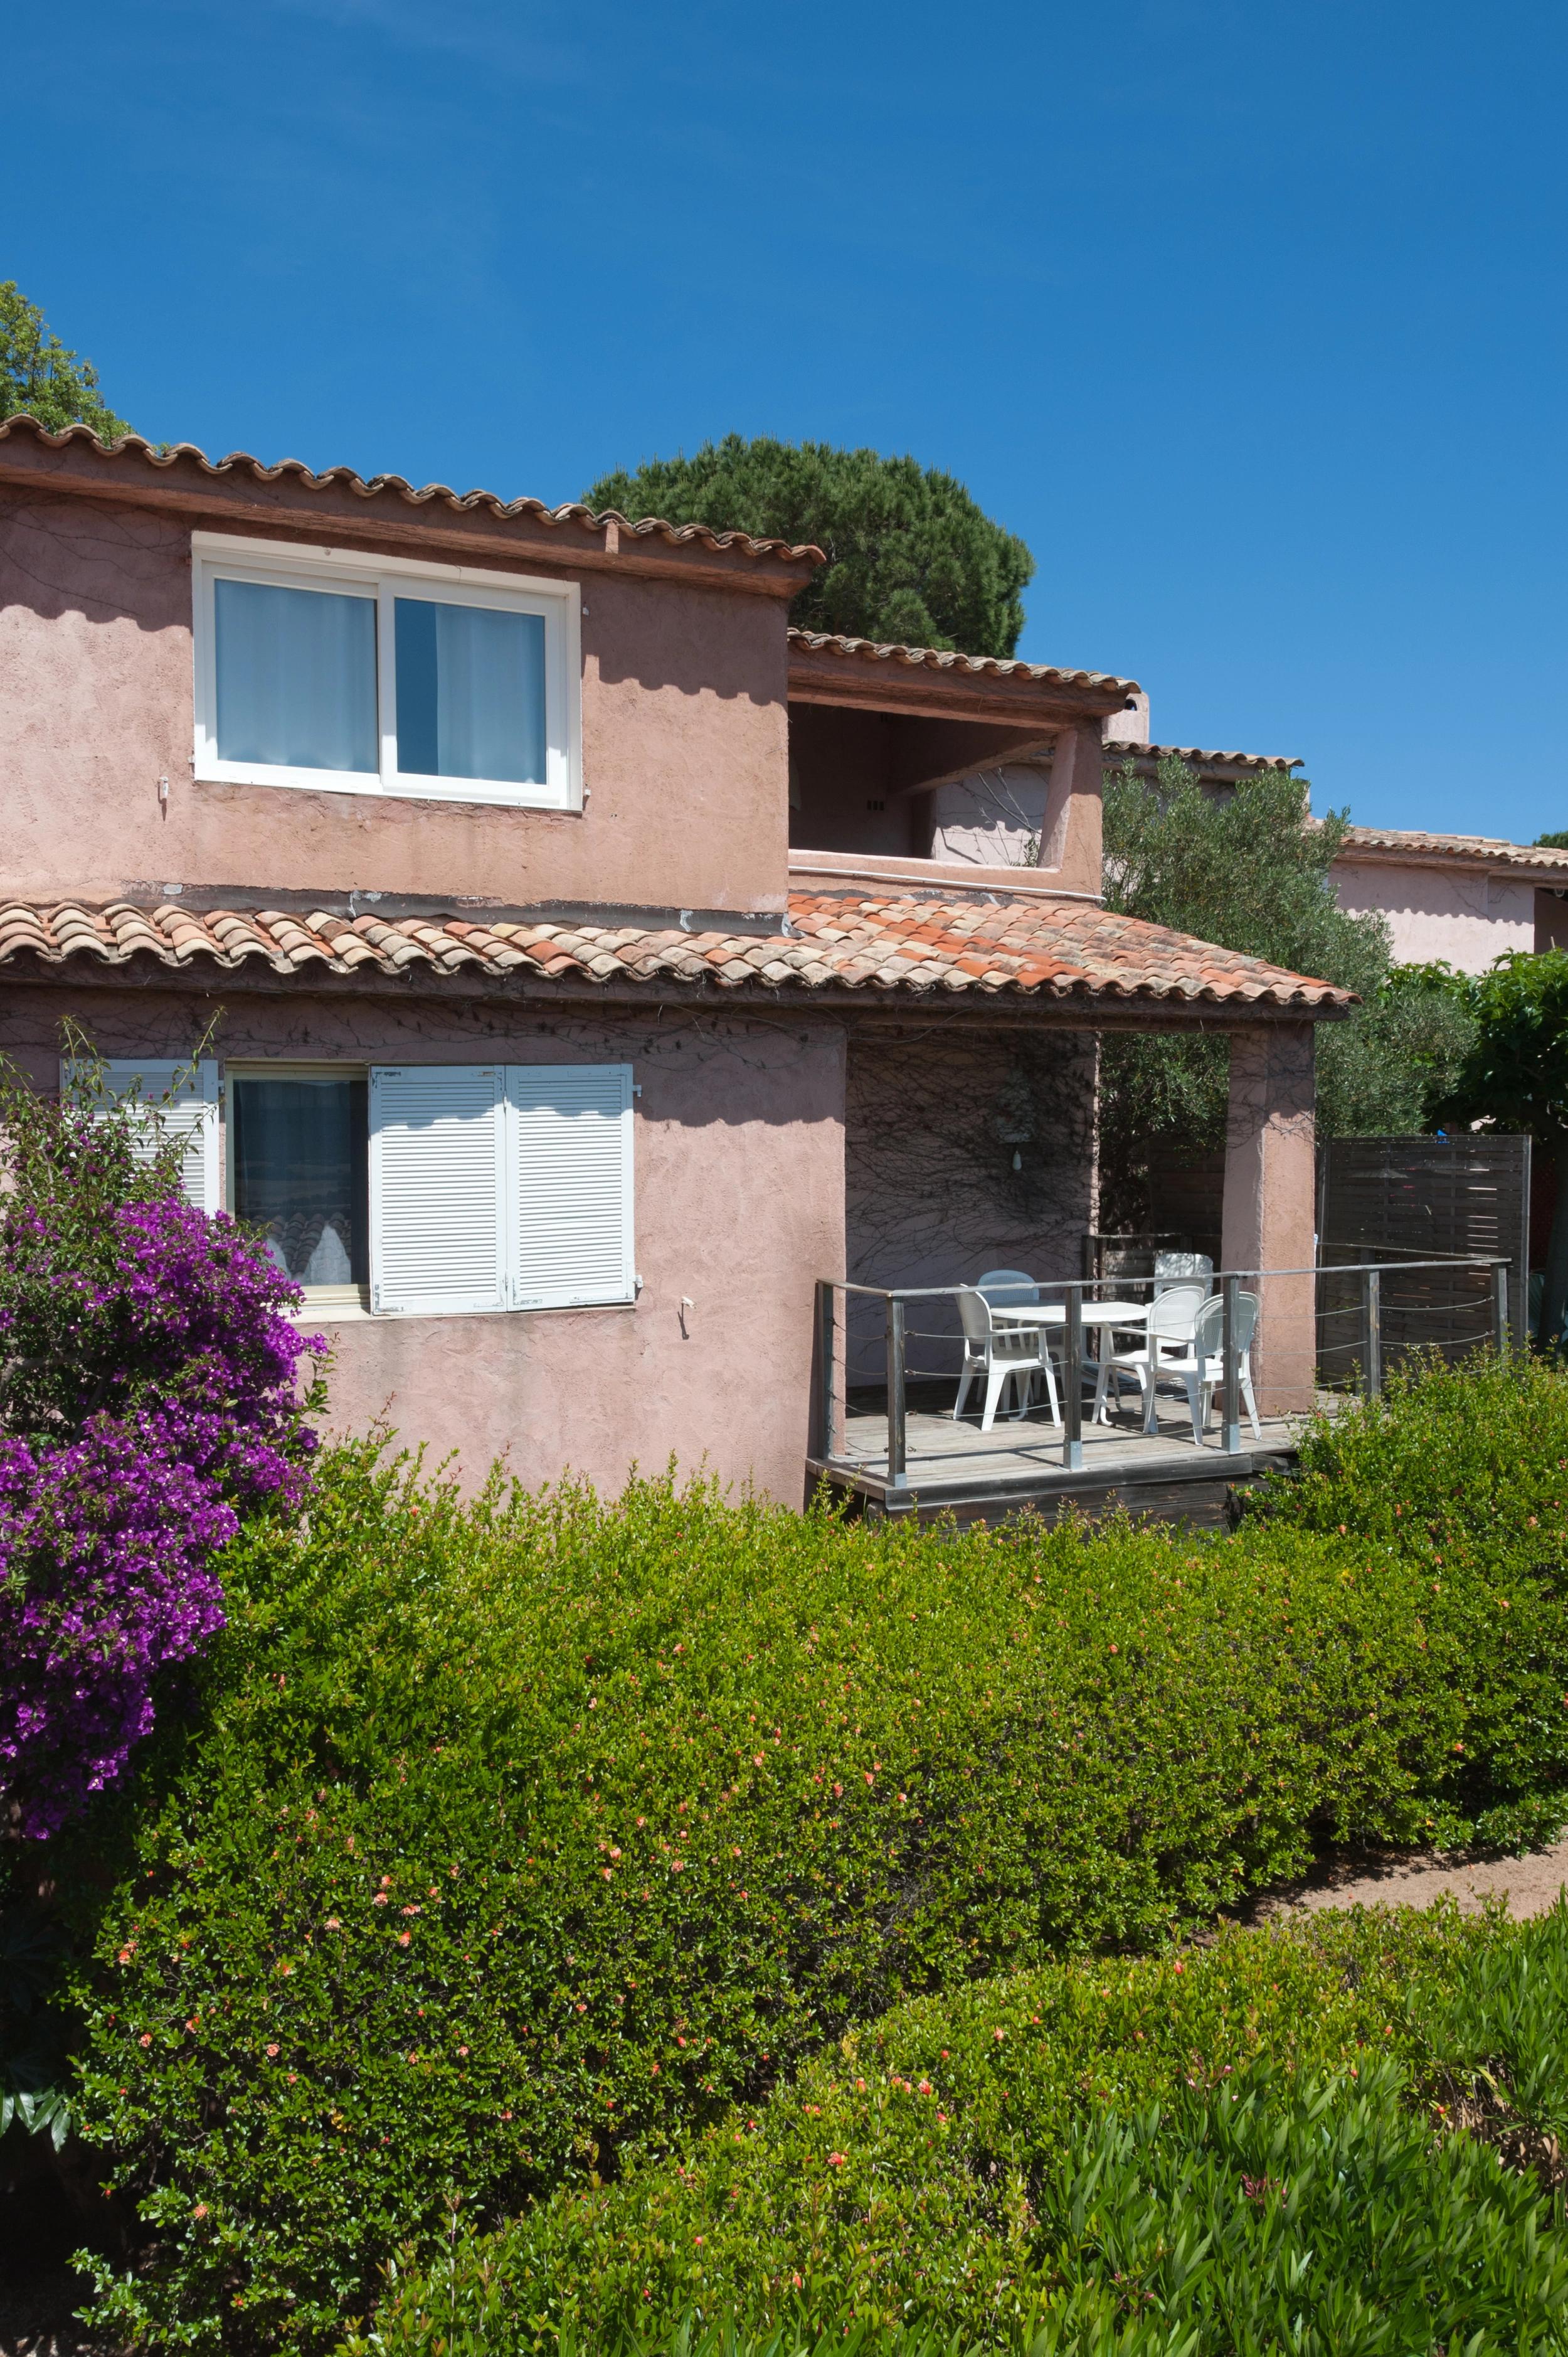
[336,1311]
[466,792]
[334,1302]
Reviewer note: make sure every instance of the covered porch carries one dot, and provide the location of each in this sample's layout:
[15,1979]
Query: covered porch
[1278,1336]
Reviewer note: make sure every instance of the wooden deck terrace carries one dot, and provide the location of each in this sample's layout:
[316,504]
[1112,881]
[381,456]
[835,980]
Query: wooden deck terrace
[956,1468]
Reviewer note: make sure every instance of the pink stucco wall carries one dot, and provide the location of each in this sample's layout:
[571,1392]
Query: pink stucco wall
[739,1208]
[1269,1210]
[1434,912]
[684,741]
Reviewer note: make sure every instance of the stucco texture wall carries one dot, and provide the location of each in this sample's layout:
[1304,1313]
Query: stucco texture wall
[1469,920]
[933,1126]
[684,744]
[739,1208]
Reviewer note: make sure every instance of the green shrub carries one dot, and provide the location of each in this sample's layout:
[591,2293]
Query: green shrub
[510,1837]
[1229,2151]
[1458,1468]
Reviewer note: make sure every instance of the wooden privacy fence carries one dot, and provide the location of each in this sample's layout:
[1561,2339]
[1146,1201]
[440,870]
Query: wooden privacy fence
[1464,1200]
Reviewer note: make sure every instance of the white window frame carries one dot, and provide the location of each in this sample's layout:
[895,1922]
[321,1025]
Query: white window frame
[284,564]
[318,1299]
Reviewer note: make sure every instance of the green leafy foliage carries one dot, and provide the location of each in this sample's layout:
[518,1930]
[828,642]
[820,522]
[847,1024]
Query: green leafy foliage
[1240,2149]
[518,1835]
[1463,1469]
[1516,1077]
[39,375]
[1251,872]
[910,556]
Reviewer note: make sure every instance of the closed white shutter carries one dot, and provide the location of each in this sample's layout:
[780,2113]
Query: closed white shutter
[438,1188]
[190,1116]
[571,1184]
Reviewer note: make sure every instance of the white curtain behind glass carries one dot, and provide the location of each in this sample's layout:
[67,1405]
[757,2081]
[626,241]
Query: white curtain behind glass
[296,677]
[485,683]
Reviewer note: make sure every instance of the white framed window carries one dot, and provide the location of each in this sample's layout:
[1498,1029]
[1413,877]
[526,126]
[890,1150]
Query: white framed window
[499,1187]
[296,1139]
[322,668]
[190,1115]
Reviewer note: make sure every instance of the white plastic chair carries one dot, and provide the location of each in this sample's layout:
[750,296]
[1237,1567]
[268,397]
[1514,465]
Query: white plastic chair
[1202,1370]
[1002,1286]
[1003,1355]
[1171,1267]
[1172,1314]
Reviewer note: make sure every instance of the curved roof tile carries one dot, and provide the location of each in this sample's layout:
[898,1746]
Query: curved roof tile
[1488,850]
[944,659]
[374,486]
[868,944]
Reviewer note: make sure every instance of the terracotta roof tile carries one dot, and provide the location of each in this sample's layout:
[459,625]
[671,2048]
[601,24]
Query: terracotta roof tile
[1195,757]
[874,945]
[1488,850]
[240,462]
[943,659]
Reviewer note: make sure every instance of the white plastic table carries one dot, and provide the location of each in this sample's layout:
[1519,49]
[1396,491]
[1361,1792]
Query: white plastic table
[1054,1313]
[1101,1315]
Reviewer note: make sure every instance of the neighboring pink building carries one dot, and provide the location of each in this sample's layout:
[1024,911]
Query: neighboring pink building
[575,982]
[1460,898]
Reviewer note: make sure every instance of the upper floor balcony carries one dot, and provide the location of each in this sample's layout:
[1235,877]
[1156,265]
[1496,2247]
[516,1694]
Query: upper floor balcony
[912,769]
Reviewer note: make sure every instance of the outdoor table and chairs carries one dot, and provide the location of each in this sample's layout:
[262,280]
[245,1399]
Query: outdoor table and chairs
[1176,1335]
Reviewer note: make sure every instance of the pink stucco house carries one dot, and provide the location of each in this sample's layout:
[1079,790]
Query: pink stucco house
[577,982]
[1461,899]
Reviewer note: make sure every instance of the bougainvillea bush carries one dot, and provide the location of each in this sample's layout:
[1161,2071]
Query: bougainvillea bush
[149,1394]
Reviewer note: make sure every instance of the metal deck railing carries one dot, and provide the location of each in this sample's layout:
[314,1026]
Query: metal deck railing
[1364,1317]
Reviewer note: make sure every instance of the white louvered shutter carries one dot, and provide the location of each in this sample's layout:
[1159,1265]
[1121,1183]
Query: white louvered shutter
[572,1184]
[191,1115]
[438,1212]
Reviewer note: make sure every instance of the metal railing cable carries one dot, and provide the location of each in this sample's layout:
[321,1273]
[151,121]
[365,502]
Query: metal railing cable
[875,1332]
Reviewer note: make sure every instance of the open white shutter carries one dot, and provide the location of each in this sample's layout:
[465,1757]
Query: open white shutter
[191,1115]
[438,1188]
[572,1184]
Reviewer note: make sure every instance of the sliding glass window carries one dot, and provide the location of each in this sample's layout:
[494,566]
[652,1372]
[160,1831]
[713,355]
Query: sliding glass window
[318,670]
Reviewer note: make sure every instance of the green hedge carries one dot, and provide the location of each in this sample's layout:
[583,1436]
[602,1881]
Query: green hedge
[1233,2151]
[504,1838]
[1458,1468]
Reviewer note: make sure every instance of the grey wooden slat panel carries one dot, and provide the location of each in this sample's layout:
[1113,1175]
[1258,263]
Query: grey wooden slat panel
[1393,1197]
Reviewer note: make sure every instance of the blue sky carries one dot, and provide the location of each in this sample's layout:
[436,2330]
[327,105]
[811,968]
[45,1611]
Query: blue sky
[1249,317]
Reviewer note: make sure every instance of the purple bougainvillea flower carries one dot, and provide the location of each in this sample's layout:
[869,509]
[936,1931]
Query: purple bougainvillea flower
[179,1413]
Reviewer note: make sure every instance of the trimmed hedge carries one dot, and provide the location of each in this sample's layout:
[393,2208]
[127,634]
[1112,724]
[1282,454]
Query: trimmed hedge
[512,1836]
[1244,2146]
[1460,1469]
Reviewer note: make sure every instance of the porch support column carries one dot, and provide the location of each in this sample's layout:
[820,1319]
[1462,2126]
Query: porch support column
[1269,1204]
[1070,830]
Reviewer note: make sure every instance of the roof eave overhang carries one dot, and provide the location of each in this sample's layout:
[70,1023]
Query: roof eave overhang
[870,685]
[383,514]
[1071,1007]
[1452,863]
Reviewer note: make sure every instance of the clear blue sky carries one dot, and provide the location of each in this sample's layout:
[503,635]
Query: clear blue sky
[1250,317]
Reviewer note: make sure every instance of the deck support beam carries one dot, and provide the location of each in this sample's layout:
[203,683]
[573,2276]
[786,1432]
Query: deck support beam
[1270,1203]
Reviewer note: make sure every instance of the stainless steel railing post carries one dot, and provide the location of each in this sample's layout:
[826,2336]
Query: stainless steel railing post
[1231,1369]
[1372,1305]
[897,1433]
[1073,1379]
[827,1373]
[1500,1308]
